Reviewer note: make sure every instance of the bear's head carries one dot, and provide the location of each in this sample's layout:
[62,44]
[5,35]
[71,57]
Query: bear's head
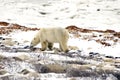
[34,41]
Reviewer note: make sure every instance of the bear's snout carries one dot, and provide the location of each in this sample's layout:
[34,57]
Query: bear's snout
[32,49]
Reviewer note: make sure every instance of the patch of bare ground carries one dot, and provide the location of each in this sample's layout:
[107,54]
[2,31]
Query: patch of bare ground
[73,27]
[103,37]
[6,28]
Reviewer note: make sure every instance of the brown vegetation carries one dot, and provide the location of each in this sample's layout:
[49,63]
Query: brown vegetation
[7,28]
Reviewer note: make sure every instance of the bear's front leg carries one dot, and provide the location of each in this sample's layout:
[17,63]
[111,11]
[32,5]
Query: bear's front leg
[50,45]
[44,46]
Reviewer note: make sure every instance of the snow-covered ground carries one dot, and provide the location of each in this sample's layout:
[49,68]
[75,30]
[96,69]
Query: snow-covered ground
[83,45]
[92,14]
[88,14]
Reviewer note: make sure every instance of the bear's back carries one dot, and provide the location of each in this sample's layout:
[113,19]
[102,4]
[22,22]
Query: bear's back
[53,34]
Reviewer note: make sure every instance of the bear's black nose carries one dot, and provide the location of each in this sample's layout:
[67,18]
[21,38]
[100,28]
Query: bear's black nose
[31,47]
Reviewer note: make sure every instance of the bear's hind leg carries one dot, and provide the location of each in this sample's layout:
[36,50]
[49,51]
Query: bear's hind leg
[63,47]
[50,46]
[60,47]
[44,46]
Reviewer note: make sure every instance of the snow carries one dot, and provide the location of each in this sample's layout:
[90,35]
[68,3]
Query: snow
[61,13]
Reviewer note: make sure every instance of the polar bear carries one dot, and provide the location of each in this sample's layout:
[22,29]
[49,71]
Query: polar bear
[48,36]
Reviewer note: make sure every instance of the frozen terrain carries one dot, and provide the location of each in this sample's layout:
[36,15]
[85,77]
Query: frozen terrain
[90,14]
[93,14]
[101,19]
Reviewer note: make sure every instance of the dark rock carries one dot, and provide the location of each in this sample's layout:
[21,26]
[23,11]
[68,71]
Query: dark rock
[41,68]
[91,53]
[43,13]
[1,37]
[24,71]
[72,54]
[117,75]
[109,57]
[11,77]
[117,65]
[98,9]
[100,35]
[46,5]
[14,50]
[74,62]
[104,76]
[96,53]
[2,45]
[18,43]
[117,57]
[79,51]
[26,47]
[79,73]
[93,74]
